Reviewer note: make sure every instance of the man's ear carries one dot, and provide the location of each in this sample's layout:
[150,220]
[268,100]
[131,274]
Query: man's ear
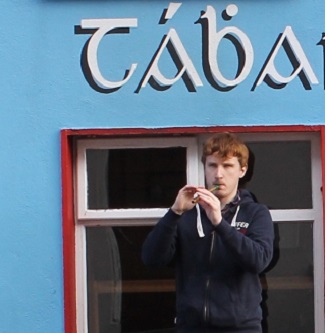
[243,171]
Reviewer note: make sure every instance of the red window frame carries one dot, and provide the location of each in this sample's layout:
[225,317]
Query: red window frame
[68,214]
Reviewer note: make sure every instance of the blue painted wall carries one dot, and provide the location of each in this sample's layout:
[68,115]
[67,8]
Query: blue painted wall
[43,89]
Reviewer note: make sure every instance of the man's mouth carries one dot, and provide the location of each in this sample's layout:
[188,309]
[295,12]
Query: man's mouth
[215,187]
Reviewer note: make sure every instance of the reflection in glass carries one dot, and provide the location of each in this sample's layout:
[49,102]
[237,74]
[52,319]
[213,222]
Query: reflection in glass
[135,178]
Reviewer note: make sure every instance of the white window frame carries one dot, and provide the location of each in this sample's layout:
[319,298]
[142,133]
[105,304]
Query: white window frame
[195,175]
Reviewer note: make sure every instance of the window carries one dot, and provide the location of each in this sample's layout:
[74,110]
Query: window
[124,178]
[287,177]
[124,185]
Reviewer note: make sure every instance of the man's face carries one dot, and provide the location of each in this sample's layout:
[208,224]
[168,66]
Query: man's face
[225,173]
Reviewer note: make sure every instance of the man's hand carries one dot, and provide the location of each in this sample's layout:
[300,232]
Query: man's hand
[183,201]
[211,205]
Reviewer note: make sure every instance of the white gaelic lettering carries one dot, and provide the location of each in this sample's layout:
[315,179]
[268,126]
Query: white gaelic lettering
[214,40]
[296,47]
[172,9]
[187,67]
[232,10]
[104,26]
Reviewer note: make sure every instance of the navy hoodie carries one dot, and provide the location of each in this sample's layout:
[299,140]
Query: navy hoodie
[217,282]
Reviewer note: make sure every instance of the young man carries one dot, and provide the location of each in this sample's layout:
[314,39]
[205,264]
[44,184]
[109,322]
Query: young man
[220,240]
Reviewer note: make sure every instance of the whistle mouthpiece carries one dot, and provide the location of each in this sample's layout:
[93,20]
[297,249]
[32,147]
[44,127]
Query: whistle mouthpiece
[196,197]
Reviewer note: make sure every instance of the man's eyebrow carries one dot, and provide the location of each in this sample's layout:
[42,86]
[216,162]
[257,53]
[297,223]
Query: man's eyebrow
[228,162]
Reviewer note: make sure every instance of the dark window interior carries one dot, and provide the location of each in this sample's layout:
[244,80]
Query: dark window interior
[280,174]
[135,178]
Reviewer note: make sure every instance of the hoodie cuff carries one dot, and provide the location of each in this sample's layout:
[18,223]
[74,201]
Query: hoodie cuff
[170,218]
[223,228]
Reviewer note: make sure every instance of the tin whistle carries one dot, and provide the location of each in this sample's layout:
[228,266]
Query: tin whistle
[196,197]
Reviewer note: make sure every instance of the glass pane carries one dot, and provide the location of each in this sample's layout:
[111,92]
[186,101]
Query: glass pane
[281,174]
[124,295]
[135,178]
[288,292]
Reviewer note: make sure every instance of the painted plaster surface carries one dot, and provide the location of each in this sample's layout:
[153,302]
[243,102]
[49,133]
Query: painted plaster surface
[45,87]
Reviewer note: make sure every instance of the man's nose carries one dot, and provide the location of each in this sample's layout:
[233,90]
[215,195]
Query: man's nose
[219,171]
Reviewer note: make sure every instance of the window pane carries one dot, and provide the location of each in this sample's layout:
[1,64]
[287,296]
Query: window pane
[135,178]
[281,177]
[123,294]
[288,285]
[126,296]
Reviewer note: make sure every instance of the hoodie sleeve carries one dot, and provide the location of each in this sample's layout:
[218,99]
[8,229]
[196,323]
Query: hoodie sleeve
[160,245]
[254,249]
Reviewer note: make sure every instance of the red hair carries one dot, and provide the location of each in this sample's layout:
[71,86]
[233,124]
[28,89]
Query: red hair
[226,145]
